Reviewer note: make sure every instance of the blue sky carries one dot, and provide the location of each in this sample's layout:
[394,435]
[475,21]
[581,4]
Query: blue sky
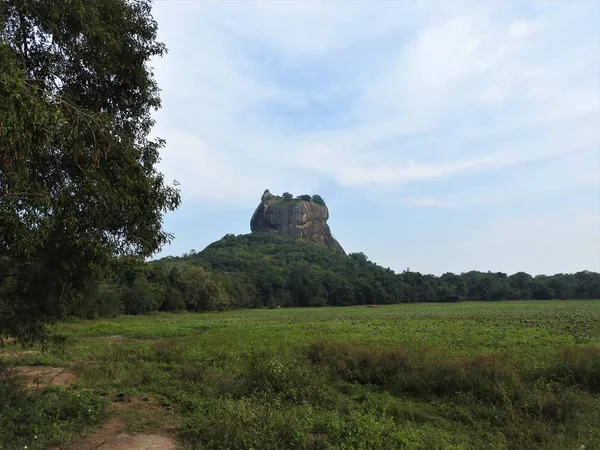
[444,136]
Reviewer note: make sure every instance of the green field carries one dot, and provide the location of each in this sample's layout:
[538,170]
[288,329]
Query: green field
[514,375]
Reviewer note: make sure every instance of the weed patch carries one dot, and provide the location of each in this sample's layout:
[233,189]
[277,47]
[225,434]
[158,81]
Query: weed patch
[43,418]
[484,389]
[290,381]
[578,367]
[487,378]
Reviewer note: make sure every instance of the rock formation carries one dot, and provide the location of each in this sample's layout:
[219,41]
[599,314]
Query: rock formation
[294,219]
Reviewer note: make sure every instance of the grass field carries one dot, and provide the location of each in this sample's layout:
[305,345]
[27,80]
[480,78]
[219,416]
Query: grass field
[508,375]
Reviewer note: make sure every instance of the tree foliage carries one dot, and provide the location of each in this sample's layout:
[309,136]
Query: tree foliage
[264,270]
[78,178]
[318,200]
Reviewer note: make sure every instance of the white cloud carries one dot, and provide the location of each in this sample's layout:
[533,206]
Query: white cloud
[359,171]
[445,53]
[520,29]
[204,174]
[552,178]
[432,93]
[306,29]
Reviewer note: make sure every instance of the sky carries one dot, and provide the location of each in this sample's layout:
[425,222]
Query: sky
[444,136]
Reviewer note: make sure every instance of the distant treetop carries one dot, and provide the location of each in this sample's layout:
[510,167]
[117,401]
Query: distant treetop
[318,200]
[286,196]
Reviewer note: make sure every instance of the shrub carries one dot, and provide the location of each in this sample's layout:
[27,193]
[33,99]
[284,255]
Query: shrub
[254,422]
[578,367]
[167,351]
[485,377]
[287,380]
[318,200]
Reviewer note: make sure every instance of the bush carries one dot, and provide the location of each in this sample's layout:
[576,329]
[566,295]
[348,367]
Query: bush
[287,380]
[287,196]
[578,367]
[486,378]
[254,422]
[318,200]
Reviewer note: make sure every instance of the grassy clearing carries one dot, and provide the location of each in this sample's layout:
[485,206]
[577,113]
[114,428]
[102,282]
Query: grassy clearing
[518,375]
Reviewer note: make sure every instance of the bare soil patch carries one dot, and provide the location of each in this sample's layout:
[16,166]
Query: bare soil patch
[18,354]
[111,436]
[41,376]
[114,434]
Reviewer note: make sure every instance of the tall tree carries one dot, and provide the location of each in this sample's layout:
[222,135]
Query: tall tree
[78,177]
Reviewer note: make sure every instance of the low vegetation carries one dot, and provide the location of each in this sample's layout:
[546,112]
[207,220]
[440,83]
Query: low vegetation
[43,417]
[494,375]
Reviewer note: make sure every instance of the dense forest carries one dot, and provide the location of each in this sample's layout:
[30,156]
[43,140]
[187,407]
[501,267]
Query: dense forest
[263,270]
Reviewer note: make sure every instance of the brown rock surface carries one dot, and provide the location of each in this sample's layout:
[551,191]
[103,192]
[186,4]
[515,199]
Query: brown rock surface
[294,219]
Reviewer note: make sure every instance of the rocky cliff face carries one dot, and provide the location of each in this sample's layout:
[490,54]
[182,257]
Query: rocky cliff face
[294,219]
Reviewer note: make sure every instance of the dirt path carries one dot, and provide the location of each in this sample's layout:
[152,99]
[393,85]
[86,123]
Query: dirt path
[113,434]
[17,354]
[41,376]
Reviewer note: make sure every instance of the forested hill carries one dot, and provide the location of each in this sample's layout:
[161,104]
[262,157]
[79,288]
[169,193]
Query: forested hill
[291,272]
[264,270]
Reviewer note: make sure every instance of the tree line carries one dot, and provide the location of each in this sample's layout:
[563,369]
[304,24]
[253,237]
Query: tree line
[264,270]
